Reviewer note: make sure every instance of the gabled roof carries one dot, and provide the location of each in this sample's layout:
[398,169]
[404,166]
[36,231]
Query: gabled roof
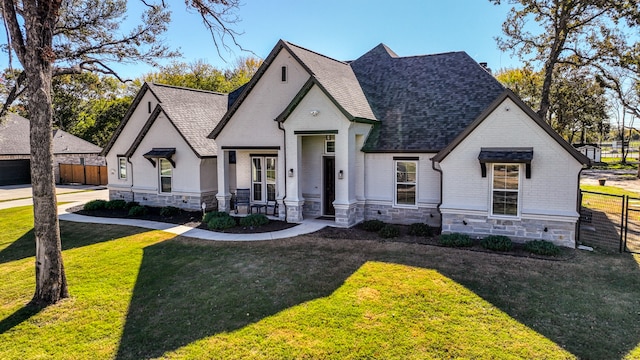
[14,139]
[508,94]
[336,78]
[422,102]
[192,112]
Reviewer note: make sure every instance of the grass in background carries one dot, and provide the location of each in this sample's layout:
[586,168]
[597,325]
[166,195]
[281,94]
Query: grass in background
[611,190]
[143,294]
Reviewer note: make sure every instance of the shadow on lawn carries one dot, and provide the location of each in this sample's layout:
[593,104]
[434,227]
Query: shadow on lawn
[74,235]
[188,290]
[18,317]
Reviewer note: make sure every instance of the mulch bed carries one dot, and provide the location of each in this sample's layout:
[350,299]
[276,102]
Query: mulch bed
[193,219]
[357,233]
[187,218]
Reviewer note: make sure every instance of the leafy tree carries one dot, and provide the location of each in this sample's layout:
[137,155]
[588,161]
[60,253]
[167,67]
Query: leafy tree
[57,37]
[576,32]
[204,76]
[525,82]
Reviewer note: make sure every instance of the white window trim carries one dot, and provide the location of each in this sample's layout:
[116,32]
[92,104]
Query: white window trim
[500,216]
[160,176]
[395,185]
[327,140]
[263,179]
[122,159]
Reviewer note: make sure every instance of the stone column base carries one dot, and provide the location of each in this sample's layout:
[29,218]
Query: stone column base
[294,210]
[224,202]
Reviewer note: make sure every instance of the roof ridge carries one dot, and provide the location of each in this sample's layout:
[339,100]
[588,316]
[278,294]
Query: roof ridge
[316,53]
[433,55]
[188,89]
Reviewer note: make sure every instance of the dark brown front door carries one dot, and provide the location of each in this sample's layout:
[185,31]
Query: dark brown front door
[329,185]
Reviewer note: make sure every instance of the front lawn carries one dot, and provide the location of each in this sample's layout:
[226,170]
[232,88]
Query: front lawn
[144,294]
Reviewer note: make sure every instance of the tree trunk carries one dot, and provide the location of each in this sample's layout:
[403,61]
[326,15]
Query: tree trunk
[51,284]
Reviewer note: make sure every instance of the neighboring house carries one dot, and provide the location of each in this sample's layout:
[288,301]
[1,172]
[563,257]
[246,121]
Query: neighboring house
[430,138]
[160,154]
[592,151]
[15,158]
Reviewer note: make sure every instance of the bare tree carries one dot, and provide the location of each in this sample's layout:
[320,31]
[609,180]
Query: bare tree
[55,37]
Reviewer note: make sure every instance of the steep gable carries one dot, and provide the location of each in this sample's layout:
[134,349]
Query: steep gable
[422,102]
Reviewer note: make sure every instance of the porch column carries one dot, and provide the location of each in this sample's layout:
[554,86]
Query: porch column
[281,184]
[294,200]
[345,203]
[223,196]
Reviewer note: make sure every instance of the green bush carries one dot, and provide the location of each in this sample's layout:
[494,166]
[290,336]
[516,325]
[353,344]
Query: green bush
[373,225]
[254,220]
[221,223]
[455,240]
[497,243]
[214,214]
[116,204]
[95,205]
[420,229]
[138,211]
[389,231]
[131,204]
[169,211]
[541,247]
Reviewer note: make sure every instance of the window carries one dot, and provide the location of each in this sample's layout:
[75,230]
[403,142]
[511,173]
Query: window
[284,74]
[263,178]
[406,183]
[330,144]
[166,174]
[122,168]
[505,189]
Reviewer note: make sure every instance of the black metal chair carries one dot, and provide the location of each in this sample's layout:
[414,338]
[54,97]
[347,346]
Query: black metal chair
[243,198]
[272,204]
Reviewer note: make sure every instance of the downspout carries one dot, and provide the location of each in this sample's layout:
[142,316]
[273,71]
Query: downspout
[133,194]
[284,150]
[578,208]
[433,166]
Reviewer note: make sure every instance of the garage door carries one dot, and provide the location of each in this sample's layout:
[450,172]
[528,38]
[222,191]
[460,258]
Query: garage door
[13,172]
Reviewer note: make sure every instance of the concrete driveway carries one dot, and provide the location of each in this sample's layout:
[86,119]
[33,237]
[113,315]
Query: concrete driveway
[20,195]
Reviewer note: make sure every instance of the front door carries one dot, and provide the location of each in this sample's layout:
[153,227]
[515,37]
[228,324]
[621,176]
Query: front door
[329,185]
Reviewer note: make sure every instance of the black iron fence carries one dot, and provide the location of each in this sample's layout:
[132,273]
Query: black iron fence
[610,222]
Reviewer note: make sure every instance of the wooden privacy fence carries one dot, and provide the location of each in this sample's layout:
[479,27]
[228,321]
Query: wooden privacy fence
[83,174]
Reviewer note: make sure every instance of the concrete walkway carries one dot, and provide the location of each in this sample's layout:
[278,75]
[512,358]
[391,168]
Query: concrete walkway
[306,227]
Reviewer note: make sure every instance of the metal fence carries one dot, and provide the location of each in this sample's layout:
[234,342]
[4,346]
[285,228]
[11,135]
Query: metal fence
[610,222]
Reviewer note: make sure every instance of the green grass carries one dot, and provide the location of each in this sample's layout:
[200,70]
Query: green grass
[611,190]
[145,294]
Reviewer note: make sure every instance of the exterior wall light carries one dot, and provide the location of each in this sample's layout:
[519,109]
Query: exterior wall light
[290,172]
[340,174]
[314,112]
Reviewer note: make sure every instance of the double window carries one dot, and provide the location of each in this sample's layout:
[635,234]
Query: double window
[406,187]
[263,178]
[505,189]
[166,174]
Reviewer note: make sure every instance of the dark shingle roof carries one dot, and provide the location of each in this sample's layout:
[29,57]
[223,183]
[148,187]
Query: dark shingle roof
[338,79]
[193,112]
[422,102]
[14,139]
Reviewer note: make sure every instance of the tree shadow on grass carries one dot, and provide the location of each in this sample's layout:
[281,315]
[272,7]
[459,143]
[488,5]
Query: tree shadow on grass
[189,290]
[74,235]
[18,317]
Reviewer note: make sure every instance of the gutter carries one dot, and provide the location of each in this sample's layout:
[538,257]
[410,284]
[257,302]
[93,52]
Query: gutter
[133,194]
[433,166]
[578,206]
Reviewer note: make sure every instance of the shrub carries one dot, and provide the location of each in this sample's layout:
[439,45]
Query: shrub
[116,204]
[389,231]
[169,211]
[254,220]
[214,214]
[373,225]
[541,247]
[95,205]
[420,229]
[138,211]
[497,243]
[131,204]
[455,240]
[221,223]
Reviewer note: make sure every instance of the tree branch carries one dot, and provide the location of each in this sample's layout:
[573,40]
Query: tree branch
[13,94]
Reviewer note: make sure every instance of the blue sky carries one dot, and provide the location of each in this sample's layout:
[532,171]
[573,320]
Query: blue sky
[342,29]
[345,29]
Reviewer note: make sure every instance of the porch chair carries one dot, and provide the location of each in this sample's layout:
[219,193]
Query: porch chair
[272,204]
[243,198]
